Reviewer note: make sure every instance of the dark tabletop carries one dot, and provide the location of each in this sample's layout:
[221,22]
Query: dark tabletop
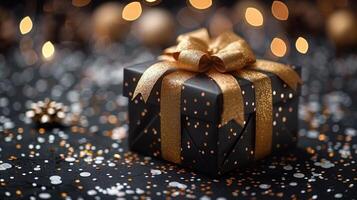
[89,159]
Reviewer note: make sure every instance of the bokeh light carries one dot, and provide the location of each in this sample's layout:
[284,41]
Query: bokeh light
[254,17]
[280,10]
[48,50]
[25,25]
[302,45]
[278,47]
[132,11]
[201,4]
[80,3]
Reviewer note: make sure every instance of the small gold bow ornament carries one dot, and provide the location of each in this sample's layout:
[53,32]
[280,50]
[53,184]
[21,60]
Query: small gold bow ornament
[222,59]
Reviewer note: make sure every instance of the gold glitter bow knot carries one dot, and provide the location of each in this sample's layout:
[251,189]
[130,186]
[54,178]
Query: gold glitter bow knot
[221,59]
[197,52]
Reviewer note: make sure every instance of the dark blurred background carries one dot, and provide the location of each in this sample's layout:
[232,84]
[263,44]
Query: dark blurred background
[74,52]
[92,25]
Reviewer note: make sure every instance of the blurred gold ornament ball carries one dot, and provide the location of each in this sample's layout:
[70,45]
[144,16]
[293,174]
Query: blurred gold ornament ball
[342,28]
[156,27]
[220,22]
[108,24]
[8,29]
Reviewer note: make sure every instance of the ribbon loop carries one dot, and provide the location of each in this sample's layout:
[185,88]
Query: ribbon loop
[235,56]
[193,60]
[223,40]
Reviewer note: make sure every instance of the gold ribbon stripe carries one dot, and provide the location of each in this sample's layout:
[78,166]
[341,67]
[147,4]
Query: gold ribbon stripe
[264,111]
[170,115]
[232,97]
[150,77]
[285,73]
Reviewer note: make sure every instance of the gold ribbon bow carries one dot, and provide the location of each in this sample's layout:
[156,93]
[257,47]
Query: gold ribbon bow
[220,58]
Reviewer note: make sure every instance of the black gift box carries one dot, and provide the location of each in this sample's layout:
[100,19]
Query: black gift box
[206,146]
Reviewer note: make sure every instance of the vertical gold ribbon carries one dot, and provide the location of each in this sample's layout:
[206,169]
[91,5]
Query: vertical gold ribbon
[264,111]
[233,106]
[170,115]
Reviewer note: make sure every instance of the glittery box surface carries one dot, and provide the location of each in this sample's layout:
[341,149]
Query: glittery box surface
[207,147]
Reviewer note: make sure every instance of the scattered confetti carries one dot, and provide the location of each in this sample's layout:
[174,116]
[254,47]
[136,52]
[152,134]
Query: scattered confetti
[177,185]
[55,180]
[264,186]
[44,196]
[299,175]
[5,166]
[70,159]
[288,167]
[84,174]
[155,172]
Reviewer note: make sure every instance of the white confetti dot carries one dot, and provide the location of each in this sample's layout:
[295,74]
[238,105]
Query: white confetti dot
[293,184]
[99,158]
[55,180]
[129,192]
[55,177]
[324,164]
[299,175]
[312,134]
[91,192]
[155,172]
[5,166]
[139,191]
[288,167]
[351,132]
[84,174]
[205,198]
[44,196]
[177,185]
[338,196]
[264,186]
[70,159]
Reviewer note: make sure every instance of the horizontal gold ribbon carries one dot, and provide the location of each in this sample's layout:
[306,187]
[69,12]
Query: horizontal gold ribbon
[219,58]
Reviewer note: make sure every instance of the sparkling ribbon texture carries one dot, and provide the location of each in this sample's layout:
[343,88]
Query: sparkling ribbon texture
[221,58]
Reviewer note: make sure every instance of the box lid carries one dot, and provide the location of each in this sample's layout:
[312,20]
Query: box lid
[201,97]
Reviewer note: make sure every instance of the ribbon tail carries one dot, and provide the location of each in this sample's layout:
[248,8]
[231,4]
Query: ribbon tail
[264,111]
[284,72]
[150,77]
[170,115]
[233,107]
